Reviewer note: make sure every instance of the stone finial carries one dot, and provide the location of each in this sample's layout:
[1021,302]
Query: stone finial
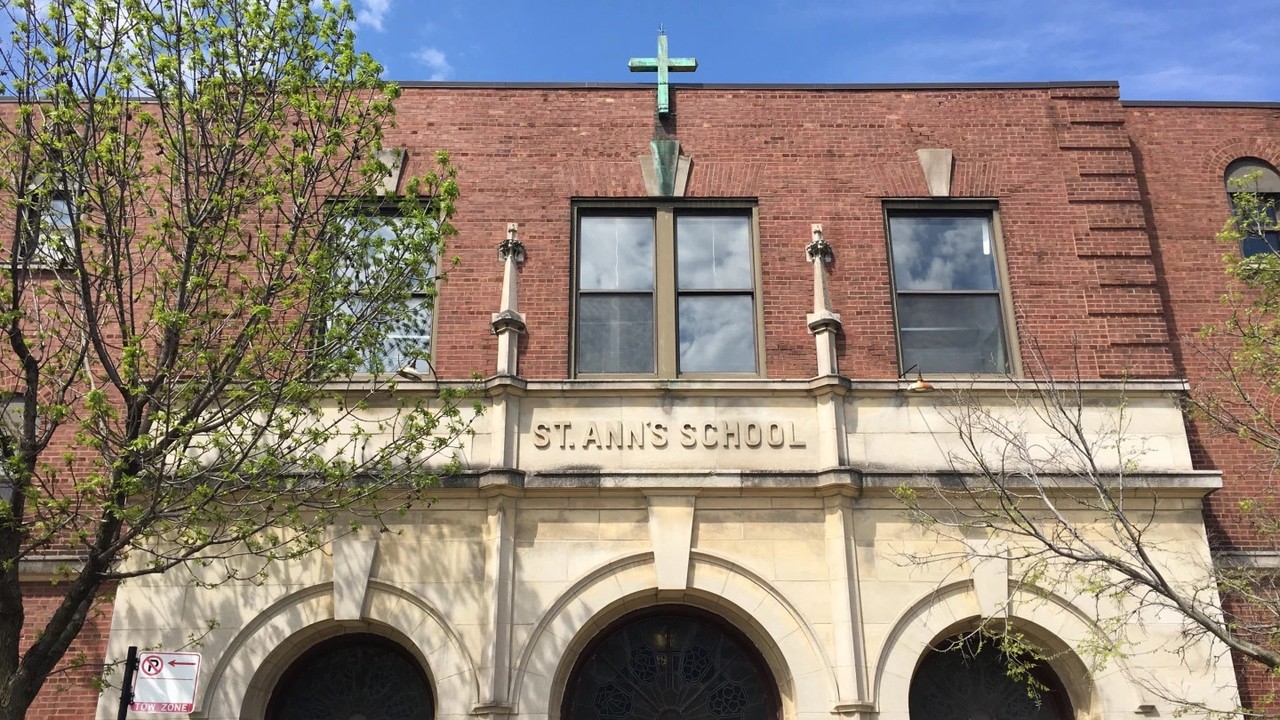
[818,248]
[511,246]
[937,164]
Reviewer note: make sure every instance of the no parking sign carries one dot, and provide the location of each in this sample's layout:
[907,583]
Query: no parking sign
[165,682]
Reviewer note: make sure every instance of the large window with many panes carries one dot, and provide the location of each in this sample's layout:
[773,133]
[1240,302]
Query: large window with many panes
[405,342]
[948,295]
[666,291]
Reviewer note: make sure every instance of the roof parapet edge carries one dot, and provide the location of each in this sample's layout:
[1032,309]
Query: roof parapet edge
[1225,104]
[756,86]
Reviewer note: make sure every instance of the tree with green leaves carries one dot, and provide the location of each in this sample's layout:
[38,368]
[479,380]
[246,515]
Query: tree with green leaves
[211,300]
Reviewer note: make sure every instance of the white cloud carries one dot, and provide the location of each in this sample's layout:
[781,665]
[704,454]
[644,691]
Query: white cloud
[371,13]
[435,61]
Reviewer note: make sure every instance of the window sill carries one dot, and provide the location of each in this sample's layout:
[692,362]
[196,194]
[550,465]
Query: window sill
[47,268]
[379,383]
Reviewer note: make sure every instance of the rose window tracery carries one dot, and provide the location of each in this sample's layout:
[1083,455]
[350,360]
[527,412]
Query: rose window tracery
[358,677]
[670,666]
[968,680]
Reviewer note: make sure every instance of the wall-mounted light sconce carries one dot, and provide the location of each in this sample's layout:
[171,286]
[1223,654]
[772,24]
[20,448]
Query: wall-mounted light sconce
[919,385]
[410,373]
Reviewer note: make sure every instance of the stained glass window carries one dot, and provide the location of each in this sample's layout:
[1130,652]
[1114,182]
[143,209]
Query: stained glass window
[967,680]
[353,676]
[670,666]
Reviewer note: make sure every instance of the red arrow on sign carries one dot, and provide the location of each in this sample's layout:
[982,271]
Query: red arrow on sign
[172,663]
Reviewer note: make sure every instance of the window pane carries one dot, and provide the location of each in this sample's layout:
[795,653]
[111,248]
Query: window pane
[615,253]
[58,217]
[55,242]
[408,342]
[376,242]
[713,253]
[942,253]
[717,333]
[952,333]
[1267,242]
[1258,220]
[615,334]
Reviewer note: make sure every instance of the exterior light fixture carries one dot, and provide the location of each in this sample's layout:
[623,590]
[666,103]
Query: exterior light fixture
[919,385]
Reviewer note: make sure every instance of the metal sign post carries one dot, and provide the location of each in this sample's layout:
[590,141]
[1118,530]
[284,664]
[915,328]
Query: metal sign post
[126,687]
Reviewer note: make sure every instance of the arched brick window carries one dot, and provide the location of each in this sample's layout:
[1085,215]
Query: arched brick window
[1260,182]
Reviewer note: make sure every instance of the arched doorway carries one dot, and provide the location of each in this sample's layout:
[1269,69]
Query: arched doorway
[967,678]
[353,677]
[670,663]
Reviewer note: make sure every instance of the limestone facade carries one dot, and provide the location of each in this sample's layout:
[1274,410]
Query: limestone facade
[767,499]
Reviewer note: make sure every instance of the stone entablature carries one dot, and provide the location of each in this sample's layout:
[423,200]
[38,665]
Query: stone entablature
[800,426]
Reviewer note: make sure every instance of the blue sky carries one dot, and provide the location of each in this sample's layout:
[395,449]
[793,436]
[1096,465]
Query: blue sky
[1174,50]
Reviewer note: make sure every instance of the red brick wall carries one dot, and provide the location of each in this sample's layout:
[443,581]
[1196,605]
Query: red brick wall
[71,690]
[1056,160]
[1182,154]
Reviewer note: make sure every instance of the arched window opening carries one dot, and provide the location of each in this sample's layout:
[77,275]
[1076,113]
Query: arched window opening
[670,663]
[966,678]
[1254,189]
[353,677]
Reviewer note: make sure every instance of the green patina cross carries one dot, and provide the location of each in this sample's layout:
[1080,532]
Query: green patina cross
[663,65]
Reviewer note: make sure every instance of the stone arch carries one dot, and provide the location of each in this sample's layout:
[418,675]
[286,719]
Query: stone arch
[1045,617]
[786,641]
[244,676]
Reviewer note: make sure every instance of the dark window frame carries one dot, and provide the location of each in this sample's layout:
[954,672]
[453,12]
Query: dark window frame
[977,652]
[1265,183]
[666,293]
[1008,339]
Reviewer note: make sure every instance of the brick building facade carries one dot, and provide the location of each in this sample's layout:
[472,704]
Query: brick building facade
[725,464]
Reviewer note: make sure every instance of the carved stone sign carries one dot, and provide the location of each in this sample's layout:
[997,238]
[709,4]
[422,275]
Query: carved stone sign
[661,435]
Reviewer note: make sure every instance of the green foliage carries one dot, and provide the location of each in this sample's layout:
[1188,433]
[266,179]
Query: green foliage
[1023,659]
[205,298]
